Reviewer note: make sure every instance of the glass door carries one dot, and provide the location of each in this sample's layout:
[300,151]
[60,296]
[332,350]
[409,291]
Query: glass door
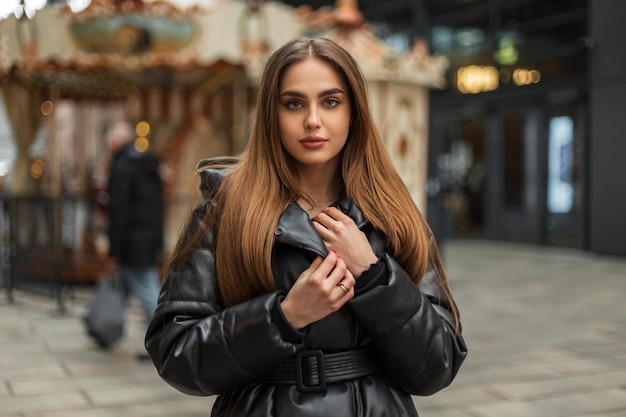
[514,175]
[517,173]
[539,181]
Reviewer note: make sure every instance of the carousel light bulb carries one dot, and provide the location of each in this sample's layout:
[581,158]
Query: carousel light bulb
[142,144]
[31,6]
[142,128]
[78,5]
[8,7]
[47,107]
[36,4]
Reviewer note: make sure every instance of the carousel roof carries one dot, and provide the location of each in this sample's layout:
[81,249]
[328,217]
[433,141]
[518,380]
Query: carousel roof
[113,46]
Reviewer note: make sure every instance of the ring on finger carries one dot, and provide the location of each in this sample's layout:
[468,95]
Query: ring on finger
[343,287]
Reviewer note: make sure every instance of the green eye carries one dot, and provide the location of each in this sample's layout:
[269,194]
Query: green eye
[293,105]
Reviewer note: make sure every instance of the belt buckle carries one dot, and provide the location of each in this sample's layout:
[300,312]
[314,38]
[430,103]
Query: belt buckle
[319,356]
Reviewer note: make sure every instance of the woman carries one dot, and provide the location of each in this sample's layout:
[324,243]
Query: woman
[307,283]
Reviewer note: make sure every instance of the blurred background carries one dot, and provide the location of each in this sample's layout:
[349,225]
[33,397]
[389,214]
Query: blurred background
[504,117]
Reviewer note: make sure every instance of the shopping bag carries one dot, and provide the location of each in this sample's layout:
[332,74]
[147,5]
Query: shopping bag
[104,316]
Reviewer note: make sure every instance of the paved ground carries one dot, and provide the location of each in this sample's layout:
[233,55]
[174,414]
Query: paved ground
[546,330]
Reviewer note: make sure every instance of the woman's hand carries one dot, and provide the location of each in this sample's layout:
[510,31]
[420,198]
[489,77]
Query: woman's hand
[323,288]
[342,235]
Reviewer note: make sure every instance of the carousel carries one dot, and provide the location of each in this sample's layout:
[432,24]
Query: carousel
[184,73]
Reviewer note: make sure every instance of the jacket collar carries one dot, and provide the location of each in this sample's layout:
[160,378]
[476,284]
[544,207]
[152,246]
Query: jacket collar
[295,228]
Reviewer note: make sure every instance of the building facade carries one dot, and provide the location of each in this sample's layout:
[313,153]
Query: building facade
[526,140]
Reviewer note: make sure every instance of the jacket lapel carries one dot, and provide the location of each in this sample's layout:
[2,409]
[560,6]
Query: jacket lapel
[296,229]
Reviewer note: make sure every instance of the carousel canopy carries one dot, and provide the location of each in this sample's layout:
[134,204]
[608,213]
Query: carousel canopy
[107,48]
[111,46]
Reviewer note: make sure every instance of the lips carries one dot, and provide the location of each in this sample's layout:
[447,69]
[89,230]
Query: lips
[313,142]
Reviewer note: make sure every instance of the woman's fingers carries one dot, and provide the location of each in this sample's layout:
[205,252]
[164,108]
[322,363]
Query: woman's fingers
[320,271]
[317,292]
[347,282]
[341,234]
[333,220]
[330,274]
[327,272]
[334,213]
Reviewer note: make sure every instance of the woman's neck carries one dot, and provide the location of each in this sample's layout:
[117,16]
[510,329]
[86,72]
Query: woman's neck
[316,206]
[320,188]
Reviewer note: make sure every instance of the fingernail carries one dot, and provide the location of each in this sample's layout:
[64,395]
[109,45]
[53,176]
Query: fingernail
[333,251]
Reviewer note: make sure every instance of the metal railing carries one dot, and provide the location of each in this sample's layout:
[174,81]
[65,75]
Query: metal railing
[41,246]
[51,245]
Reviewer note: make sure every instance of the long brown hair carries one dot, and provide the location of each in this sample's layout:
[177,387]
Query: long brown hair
[264,182]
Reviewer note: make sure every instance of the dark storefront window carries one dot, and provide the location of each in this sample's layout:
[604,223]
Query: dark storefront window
[514,171]
[526,42]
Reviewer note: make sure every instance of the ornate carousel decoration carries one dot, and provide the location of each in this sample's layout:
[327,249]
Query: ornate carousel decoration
[345,25]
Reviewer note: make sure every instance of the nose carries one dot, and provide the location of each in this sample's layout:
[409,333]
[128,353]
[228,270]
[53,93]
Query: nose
[312,120]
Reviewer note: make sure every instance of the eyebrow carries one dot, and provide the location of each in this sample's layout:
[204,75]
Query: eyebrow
[329,92]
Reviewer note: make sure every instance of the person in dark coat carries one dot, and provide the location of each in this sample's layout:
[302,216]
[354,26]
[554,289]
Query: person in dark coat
[307,283]
[135,218]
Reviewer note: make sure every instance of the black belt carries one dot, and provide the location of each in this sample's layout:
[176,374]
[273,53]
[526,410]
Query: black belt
[311,370]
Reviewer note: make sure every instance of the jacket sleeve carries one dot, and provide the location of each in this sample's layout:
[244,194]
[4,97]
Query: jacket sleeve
[201,348]
[120,191]
[413,328]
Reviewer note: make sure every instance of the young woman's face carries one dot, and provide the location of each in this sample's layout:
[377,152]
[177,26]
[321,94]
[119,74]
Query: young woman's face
[313,113]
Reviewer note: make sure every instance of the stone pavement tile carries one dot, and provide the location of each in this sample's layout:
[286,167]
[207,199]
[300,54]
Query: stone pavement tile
[110,367]
[132,395]
[91,355]
[450,412]
[615,330]
[454,395]
[616,413]
[572,405]
[616,360]
[518,391]
[598,350]
[59,326]
[4,390]
[30,387]
[146,377]
[570,363]
[194,407]
[12,348]
[40,403]
[14,331]
[501,372]
[37,368]
[13,357]
[25,387]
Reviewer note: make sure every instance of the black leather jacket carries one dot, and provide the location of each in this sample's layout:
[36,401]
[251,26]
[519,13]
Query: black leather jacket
[202,348]
[135,208]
